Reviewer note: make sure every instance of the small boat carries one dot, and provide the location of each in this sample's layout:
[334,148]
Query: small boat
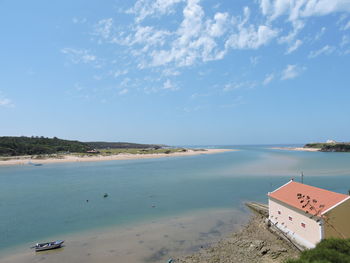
[35,164]
[48,245]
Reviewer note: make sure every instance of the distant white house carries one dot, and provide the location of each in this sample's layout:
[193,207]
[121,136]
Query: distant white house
[331,141]
[309,214]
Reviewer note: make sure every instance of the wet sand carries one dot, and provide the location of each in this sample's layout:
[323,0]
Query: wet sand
[96,158]
[155,241]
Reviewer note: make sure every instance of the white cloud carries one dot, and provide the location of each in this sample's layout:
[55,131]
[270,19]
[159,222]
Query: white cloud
[168,85]
[144,8]
[320,34]
[297,26]
[79,55]
[326,50]
[198,38]
[302,8]
[344,41]
[298,11]
[255,60]
[103,28]
[77,20]
[119,73]
[346,26]
[239,85]
[123,91]
[5,102]
[291,72]
[193,37]
[251,37]
[268,79]
[295,46]
[170,72]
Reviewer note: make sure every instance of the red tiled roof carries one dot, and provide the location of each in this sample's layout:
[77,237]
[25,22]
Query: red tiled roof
[310,199]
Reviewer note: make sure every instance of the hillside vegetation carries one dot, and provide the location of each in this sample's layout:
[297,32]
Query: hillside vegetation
[15,146]
[327,251]
[121,145]
[330,147]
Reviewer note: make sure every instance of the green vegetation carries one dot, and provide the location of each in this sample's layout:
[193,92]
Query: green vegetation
[327,251]
[140,151]
[14,146]
[121,145]
[330,147]
[54,148]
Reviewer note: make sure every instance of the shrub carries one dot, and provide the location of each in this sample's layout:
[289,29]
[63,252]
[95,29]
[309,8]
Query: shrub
[327,251]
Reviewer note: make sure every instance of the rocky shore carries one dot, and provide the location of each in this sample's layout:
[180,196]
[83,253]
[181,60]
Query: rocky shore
[254,243]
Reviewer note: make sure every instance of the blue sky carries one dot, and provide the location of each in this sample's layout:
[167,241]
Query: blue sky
[176,71]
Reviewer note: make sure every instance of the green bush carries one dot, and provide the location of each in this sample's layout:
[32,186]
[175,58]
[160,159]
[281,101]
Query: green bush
[327,251]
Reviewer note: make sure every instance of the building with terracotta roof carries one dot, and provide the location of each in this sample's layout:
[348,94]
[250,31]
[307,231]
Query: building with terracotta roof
[309,214]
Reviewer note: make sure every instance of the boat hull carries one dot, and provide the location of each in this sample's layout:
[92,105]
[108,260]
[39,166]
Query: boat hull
[48,245]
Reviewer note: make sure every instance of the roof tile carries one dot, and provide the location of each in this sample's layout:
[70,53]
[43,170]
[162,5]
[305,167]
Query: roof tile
[308,198]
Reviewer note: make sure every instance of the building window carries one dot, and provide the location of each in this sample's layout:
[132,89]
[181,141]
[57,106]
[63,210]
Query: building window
[290,218]
[303,225]
[279,212]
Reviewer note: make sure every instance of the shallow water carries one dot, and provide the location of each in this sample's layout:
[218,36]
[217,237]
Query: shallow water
[39,203]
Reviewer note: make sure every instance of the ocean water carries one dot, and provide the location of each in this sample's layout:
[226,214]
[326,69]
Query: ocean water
[39,203]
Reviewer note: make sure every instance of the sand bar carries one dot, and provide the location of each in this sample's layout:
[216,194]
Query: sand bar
[23,160]
[302,149]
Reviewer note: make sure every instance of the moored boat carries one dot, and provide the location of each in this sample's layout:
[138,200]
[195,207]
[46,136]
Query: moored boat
[48,245]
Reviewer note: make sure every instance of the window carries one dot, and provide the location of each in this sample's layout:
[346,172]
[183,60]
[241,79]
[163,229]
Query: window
[290,218]
[303,225]
[279,212]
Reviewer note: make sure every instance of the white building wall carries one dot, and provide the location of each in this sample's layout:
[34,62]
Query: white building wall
[292,221]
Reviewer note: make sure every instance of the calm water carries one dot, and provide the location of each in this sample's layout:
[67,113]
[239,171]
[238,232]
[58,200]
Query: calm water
[41,202]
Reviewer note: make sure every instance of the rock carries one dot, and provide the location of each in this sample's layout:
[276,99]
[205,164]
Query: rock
[257,244]
[275,254]
[264,250]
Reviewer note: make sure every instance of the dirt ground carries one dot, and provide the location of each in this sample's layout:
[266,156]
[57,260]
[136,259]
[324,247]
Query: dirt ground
[254,243]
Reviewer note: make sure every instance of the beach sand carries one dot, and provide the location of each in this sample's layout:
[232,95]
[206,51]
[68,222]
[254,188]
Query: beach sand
[302,149]
[96,158]
[155,241]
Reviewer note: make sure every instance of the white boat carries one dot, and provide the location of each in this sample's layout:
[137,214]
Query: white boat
[48,245]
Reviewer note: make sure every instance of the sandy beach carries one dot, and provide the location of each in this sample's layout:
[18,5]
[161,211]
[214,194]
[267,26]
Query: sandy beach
[302,149]
[23,160]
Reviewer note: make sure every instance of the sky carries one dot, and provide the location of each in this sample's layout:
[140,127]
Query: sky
[177,72]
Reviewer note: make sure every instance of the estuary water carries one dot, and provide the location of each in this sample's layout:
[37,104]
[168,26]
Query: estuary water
[39,203]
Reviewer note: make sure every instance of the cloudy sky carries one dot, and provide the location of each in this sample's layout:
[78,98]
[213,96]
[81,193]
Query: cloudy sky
[176,71]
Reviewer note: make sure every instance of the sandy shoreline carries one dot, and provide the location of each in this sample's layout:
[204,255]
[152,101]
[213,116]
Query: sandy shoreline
[96,158]
[221,236]
[297,149]
[153,241]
